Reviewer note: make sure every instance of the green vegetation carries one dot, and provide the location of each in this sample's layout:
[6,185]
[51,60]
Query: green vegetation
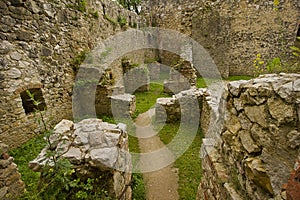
[112,21]
[81,5]
[202,83]
[95,14]
[122,21]
[22,155]
[130,3]
[189,164]
[145,100]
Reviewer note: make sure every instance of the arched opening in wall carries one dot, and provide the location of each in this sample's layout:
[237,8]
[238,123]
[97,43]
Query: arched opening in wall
[29,104]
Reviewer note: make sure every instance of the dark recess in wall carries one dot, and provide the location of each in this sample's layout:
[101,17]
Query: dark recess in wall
[29,105]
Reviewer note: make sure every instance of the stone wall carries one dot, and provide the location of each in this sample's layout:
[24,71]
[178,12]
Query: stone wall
[182,77]
[254,153]
[41,46]
[233,32]
[11,185]
[137,79]
[182,107]
[95,149]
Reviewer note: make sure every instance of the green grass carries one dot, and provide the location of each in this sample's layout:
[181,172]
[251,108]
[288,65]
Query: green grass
[236,78]
[145,100]
[23,155]
[189,164]
[202,83]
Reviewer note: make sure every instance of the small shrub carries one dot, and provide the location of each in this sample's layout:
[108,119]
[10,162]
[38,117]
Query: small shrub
[81,5]
[95,14]
[122,21]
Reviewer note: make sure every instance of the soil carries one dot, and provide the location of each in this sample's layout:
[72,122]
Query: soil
[160,177]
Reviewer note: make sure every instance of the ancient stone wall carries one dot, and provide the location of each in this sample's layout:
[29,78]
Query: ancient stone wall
[182,107]
[233,32]
[253,154]
[96,150]
[41,46]
[11,185]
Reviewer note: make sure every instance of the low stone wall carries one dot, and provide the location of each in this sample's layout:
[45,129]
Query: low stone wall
[11,185]
[95,148]
[254,153]
[111,100]
[183,106]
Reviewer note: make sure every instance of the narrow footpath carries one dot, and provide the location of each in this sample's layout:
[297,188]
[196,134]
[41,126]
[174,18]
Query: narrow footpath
[161,179]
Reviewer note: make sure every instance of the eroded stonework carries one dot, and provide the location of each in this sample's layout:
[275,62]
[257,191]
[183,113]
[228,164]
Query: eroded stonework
[94,148]
[254,154]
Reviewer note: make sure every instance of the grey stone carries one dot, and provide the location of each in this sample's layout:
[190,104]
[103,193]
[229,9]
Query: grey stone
[5,47]
[277,170]
[106,157]
[74,155]
[294,139]
[234,87]
[46,51]
[16,56]
[49,10]
[14,73]
[63,127]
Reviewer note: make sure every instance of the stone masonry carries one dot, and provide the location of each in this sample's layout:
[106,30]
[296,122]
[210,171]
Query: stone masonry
[94,148]
[11,185]
[233,32]
[183,106]
[42,44]
[254,153]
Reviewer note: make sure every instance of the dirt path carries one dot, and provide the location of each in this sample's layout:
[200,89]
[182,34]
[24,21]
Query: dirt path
[161,184]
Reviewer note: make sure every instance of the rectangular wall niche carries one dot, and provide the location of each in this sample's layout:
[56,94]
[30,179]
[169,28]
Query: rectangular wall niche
[28,104]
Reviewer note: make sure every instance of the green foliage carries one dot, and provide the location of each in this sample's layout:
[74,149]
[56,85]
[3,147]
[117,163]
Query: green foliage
[138,187]
[258,65]
[112,21]
[274,66]
[236,78]
[189,164]
[145,100]
[81,5]
[23,155]
[296,50]
[122,21]
[95,14]
[78,60]
[128,3]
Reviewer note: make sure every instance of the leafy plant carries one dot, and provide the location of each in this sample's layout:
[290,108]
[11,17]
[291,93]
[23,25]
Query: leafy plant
[258,65]
[122,21]
[81,5]
[274,66]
